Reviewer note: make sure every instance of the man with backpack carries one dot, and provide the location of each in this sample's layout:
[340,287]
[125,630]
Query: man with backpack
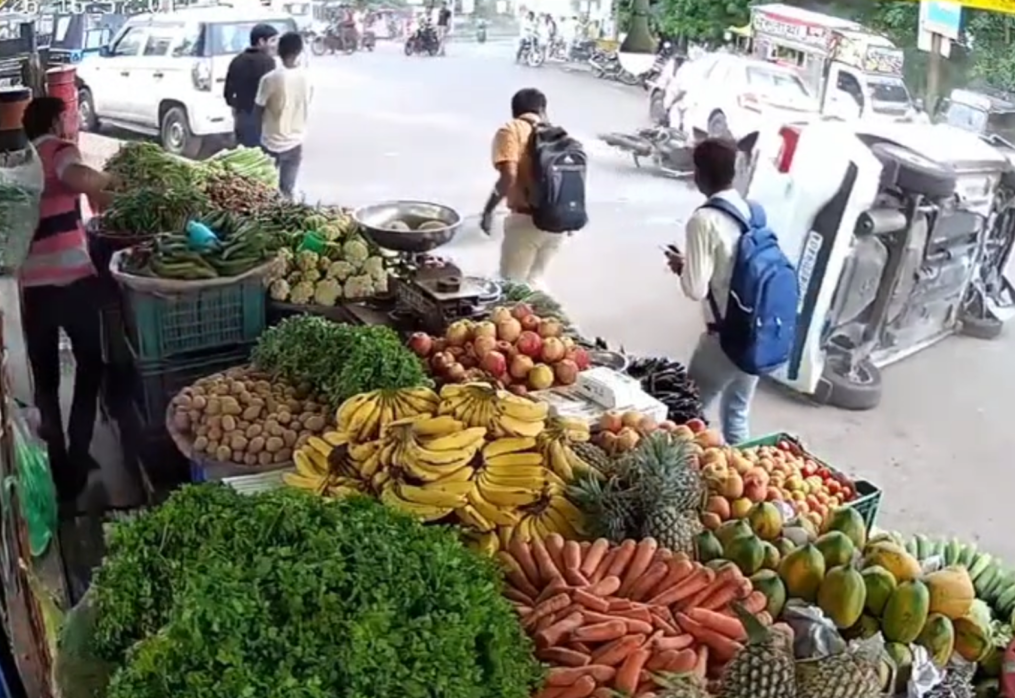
[748,288]
[541,174]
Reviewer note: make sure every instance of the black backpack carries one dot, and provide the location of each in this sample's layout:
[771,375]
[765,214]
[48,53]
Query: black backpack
[557,193]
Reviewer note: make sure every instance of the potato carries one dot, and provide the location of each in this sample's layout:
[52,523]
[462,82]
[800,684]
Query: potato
[274,429]
[262,387]
[199,402]
[237,456]
[311,407]
[301,440]
[215,433]
[254,430]
[202,430]
[242,425]
[250,459]
[211,447]
[271,405]
[231,406]
[236,388]
[228,423]
[195,416]
[256,444]
[244,397]
[314,423]
[252,412]
[183,400]
[220,389]
[264,458]
[274,444]
[283,417]
[295,406]
[289,391]
[289,436]
[200,444]
[238,442]
[214,406]
[198,389]
[181,421]
[283,456]
[223,453]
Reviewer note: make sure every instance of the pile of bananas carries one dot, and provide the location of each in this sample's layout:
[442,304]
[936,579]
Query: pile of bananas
[489,460]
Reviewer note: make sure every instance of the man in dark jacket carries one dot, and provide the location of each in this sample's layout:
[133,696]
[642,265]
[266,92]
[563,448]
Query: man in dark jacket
[242,79]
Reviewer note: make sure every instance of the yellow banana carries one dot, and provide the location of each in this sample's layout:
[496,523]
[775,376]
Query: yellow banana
[427,472]
[558,461]
[505,534]
[345,412]
[341,491]
[554,485]
[540,529]
[471,439]
[568,509]
[336,438]
[380,479]
[424,512]
[514,460]
[556,520]
[578,465]
[417,401]
[459,456]
[321,463]
[387,415]
[366,421]
[369,467]
[470,517]
[317,485]
[486,544]
[496,515]
[521,408]
[305,466]
[507,496]
[534,473]
[463,474]
[452,390]
[573,428]
[524,529]
[512,426]
[441,425]
[500,447]
[444,496]
[362,451]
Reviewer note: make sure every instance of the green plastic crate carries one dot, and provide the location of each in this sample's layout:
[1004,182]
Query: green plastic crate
[868,499]
[217,317]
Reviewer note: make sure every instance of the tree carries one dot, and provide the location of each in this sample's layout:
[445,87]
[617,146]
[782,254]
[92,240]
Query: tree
[639,36]
[702,22]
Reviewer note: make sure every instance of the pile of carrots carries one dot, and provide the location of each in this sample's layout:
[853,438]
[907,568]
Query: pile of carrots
[609,618]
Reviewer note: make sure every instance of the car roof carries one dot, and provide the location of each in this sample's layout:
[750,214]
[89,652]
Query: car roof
[217,13]
[751,62]
[994,101]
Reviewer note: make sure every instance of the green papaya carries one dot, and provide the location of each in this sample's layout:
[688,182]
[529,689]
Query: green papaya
[938,637]
[770,584]
[802,571]
[836,547]
[905,612]
[707,546]
[746,553]
[880,584]
[841,595]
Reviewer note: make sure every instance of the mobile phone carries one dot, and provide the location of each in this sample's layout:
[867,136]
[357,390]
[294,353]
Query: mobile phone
[672,249]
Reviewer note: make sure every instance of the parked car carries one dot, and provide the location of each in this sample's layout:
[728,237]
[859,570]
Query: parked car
[163,75]
[989,114]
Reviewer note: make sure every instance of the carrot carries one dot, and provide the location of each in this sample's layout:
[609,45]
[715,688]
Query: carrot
[584,546]
[600,672]
[638,626]
[603,692]
[518,596]
[701,664]
[551,605]
[676,573]
[582,688]
[723,647]
[544,623]
[674,643]
[663,555]
[523,610]
[664,613]
[580,647]
[689,586]
[715,586]
[604,565]
[607,586]
[572,564]
[619,604]
[599,617]
[515,574]
[645,688]
[647,694]
[601,632]
[555,633]
[653,575]
[625,553]
[564,676]
[635,613]
[562,656]
[615,652]
[521,551]
[721,597]
[591,602]
[556,586]
[730,627]
[644,550]
[756,602]
[682,662]
[659,660]
[669,629]
[548,571]
[554,544]
[628,674]
[593,556]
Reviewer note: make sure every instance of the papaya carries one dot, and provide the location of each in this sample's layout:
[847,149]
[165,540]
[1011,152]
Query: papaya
[880,584]
[769,584]
[785,546]
[746,553]
[771,559]
[951,591]
[729,530]
[766,520]
[836,547]
[841,595]
[718,563]
[991,664]
[903,566]
[806,524]
[796,535]
[902,657]
[802,571]
[707,546]
[906,612]
[972,640]
[938,636]
[848,520]
[867,626]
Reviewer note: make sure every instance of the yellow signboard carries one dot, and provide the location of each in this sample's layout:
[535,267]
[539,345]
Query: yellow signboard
[1007,6]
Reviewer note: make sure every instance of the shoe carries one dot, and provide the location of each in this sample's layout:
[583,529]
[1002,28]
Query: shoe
[91,500]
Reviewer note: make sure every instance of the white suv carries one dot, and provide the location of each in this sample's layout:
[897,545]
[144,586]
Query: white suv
[164,75]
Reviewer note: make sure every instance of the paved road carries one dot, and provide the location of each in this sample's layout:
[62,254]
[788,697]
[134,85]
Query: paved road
[388,126]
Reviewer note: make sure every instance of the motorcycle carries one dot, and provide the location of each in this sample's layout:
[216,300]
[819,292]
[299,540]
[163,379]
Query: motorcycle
[580,51]
[368,42]
[530,53]
[662,56]
[606,66]
[668,150]
[423,41]
[340,39]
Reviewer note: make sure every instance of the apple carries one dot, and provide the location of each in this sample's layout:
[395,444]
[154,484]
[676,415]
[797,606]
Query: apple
[457,352]
[530,323]
[521,310]
[483,345]
[509,330]
[455,373]
[421,344]
[494,363]
[520,366]
[530,344]
[440,362]
[518,389]
[568,342]
[581,358]
[550,327]
[611,422]
[541,377]
[439,344]
[566,372]
[553,350]
[457,333]
[485,329]
[500,314]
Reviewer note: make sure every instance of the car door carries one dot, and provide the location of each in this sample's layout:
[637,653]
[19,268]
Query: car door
[153,77]
[703,82]
[109,78]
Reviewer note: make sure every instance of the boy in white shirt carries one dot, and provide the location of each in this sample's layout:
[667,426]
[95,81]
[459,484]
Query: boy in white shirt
[284,100]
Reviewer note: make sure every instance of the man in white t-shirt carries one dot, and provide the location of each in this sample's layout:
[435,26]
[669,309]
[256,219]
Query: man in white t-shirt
[284,98]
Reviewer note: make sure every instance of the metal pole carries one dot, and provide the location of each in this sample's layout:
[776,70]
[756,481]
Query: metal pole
[934,73]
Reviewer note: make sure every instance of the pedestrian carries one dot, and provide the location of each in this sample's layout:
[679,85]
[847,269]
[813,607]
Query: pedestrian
[443,23]
[527,153]
[527,33]
[736,346]
[61,290]
[284,98]
[242,80]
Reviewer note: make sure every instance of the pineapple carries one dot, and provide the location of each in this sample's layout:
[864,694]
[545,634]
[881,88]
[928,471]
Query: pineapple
[853,673]
[957,683]
[666,475]
[608,507]
[673,529]
[682,686]
[764,668]
[593,455]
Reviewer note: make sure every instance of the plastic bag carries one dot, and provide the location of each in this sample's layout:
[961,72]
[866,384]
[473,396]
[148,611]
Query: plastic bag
[21,184]
[78,672]
[34,483]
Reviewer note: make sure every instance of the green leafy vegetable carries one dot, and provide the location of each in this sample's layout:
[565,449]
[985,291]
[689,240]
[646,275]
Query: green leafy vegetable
[286,595]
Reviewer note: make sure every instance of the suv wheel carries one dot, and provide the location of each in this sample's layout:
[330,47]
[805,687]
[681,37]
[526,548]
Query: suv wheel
[175,135]
[86,110]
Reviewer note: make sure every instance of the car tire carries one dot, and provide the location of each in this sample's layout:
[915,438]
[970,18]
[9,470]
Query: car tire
[175,135]
[86,110]
[857,390]
[916,173]
[981,328]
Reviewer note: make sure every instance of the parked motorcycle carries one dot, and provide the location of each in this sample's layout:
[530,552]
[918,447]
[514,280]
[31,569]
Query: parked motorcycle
[668,150]
[424,41]
[530,53]
[606,66]
[335,39]
[580,51]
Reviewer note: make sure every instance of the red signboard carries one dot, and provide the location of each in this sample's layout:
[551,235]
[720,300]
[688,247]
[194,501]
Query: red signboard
[795,30]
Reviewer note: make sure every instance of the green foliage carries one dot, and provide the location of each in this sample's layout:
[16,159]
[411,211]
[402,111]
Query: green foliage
[701,22]
[287,595]
[639,37]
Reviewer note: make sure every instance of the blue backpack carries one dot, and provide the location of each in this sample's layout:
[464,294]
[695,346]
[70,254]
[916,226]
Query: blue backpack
[761,312]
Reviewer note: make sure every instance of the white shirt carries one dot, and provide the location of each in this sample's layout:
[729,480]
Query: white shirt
[285,95]
[711,248]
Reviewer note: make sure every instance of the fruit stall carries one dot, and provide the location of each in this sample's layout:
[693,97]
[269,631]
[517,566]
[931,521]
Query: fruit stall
[373,474]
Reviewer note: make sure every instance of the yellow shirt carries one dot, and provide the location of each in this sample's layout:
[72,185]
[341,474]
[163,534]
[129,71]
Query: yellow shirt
[285,95]
[511,144]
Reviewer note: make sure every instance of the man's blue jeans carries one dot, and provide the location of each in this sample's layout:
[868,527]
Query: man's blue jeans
[717,377]
[247,128]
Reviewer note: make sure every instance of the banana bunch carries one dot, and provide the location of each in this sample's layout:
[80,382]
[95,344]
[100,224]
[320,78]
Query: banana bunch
[503,413]
[555,445]
[362,417]
[993,580]
[321,470]
[554,514]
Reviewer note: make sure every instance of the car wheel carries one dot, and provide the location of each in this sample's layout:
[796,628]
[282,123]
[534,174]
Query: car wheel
[916,173]
[981,328]
[718,126]
[86,110]
[175,134]
[855,388]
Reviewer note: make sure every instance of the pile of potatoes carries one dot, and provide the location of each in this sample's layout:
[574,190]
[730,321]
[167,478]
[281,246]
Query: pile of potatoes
[246,417]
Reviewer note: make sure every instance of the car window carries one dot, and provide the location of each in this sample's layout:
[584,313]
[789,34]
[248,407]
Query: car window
[965,117]
[159,40]
[129,43]
[848,83]
[190,39]
[890,90]
[775,82]
[228,38]
[1003,124]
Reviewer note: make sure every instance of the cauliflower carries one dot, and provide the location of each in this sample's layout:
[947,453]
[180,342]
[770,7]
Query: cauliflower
[284,260]
[311,275]
[359,286]
[306,260]
[374,266]
[294,278]
[340,270]
[355,252]
[302,293]
[381,284]
[323,263]
[327,292]
[279,289]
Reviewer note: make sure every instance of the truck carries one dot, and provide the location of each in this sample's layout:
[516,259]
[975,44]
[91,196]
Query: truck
[856,73]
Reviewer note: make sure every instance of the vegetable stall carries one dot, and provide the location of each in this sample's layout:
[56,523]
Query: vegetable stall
[406,480]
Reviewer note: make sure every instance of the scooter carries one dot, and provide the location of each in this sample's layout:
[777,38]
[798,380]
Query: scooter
[667,150]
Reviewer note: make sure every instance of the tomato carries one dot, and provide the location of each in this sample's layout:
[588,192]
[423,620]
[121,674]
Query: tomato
[833,487]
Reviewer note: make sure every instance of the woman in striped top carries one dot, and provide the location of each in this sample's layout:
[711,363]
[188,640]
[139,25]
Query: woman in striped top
[59,290]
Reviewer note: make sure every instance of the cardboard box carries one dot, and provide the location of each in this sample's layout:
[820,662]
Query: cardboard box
[609,388]
[568,402]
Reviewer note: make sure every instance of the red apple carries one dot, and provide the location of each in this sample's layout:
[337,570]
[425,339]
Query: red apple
[553,350]
[521,310]
[566,372]
[469,361]
[549,327]
[483,346]
[530,344]
[520,367]
[494,363]
[421,344]
[440,362]
[455,373]
[439,344]
[508,330]
[581,358]
[530,323]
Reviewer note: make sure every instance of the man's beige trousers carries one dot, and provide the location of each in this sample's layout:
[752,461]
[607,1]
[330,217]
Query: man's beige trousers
[526,251]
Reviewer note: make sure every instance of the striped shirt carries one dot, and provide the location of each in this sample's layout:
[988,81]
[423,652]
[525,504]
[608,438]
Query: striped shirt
[59,252]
